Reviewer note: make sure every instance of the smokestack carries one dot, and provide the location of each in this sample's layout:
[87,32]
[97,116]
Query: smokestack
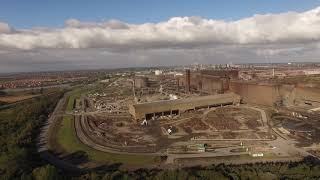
[273,73]
[188,80]
[177,84]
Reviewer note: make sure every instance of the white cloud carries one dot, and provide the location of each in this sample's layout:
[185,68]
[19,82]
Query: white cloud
[282,37]
[277,51]
[177,32]
[5,28]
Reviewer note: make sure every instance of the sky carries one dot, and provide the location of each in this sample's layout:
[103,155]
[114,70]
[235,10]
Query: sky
[37,35]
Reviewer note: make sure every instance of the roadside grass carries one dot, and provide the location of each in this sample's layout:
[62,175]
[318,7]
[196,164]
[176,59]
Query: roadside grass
[6,114]
[75,94]
[68,139]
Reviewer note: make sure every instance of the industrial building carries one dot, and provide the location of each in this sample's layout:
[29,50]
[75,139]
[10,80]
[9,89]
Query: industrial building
[174,107]
[141,82]
[208,81]
[260,93]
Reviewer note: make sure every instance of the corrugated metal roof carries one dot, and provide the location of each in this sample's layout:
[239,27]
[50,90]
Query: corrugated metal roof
[201,99]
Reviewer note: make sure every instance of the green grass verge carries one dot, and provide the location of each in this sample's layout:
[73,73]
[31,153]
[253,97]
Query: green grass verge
[74,95]
[68,139]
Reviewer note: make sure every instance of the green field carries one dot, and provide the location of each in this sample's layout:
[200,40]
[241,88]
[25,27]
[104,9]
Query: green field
[74,95]
[67,138]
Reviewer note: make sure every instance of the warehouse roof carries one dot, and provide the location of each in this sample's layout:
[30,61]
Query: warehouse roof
[184,104]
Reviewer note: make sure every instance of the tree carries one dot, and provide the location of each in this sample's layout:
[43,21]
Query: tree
[47,172]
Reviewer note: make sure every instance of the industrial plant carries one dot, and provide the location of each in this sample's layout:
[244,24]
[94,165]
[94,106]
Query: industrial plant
[193,115]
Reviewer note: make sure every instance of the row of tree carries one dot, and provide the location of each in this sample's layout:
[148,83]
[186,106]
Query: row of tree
[19,128]
[308,169]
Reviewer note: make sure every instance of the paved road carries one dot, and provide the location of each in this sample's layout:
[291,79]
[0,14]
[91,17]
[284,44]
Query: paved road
[81,130]
[46,136]
[195,162]
[217,153]
[284,148]
[83,137]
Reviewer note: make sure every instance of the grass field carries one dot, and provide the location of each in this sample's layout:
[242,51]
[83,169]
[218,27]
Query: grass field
[67,138]
[74,95]
[13,99]
[6,114]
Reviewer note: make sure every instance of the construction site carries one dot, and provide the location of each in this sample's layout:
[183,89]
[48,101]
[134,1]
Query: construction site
[201,116]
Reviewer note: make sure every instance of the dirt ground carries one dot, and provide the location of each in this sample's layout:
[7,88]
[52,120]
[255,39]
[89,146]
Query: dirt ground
[125,133]
[13,99]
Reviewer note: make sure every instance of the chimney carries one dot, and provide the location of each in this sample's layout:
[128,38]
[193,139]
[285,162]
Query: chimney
[188,80]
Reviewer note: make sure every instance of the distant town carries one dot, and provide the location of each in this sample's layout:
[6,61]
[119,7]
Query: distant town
[246,72]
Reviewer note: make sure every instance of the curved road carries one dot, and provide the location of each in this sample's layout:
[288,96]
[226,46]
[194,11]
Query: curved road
[46,135]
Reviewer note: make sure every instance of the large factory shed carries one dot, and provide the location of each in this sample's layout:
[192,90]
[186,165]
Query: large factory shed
[151,109]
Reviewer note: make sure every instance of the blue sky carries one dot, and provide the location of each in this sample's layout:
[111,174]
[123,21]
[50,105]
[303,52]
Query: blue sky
[79,34]
[35,13]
